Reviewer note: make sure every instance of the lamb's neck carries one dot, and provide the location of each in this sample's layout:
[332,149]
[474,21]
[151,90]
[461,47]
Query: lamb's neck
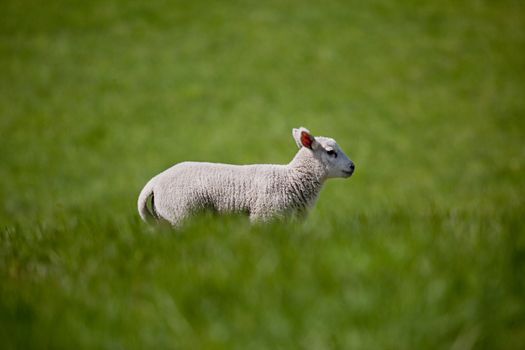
[307,173]
[304,165]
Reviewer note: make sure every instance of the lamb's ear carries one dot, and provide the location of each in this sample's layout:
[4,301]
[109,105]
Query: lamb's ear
[304,138]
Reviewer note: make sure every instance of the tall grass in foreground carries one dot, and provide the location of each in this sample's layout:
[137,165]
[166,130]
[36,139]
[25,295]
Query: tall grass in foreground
[389,280]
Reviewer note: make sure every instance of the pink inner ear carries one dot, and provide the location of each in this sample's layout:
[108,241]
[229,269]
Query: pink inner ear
[306,139]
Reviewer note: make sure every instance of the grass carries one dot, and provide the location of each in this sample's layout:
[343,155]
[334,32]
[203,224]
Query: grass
[424,247]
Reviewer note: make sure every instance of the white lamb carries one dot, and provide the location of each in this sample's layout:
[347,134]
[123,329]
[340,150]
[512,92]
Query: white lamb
[263,191]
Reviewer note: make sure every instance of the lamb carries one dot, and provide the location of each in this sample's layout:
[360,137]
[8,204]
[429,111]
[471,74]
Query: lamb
[263,191]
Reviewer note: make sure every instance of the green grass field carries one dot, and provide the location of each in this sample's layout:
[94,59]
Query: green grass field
[423,248]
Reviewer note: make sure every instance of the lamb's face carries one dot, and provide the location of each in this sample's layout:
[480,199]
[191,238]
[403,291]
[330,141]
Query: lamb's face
[326,151]
[336,162]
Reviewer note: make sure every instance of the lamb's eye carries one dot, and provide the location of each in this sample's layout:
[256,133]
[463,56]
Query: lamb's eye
[332,153]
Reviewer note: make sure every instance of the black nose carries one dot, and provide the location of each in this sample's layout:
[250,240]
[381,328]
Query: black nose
[352,167]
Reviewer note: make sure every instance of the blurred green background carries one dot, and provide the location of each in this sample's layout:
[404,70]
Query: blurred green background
[423,248]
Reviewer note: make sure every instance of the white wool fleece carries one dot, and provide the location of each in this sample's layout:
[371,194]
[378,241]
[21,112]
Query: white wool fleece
[263,191]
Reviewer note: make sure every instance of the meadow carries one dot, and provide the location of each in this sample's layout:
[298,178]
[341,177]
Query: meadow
[423,248]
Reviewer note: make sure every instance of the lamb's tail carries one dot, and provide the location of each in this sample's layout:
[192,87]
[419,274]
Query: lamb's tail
[146,214]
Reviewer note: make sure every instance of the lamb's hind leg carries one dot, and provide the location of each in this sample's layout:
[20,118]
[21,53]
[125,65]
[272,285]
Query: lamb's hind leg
[173,218]
[174,213]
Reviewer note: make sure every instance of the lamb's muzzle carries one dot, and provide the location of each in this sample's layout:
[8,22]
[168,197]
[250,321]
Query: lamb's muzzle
[350,170]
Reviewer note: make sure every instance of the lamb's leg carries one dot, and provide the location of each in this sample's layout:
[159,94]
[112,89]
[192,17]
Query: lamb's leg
[259,216]
[171,218]
[174,213]
[256,218]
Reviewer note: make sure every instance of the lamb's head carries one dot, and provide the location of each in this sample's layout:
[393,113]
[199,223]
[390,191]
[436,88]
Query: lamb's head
[324,151]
